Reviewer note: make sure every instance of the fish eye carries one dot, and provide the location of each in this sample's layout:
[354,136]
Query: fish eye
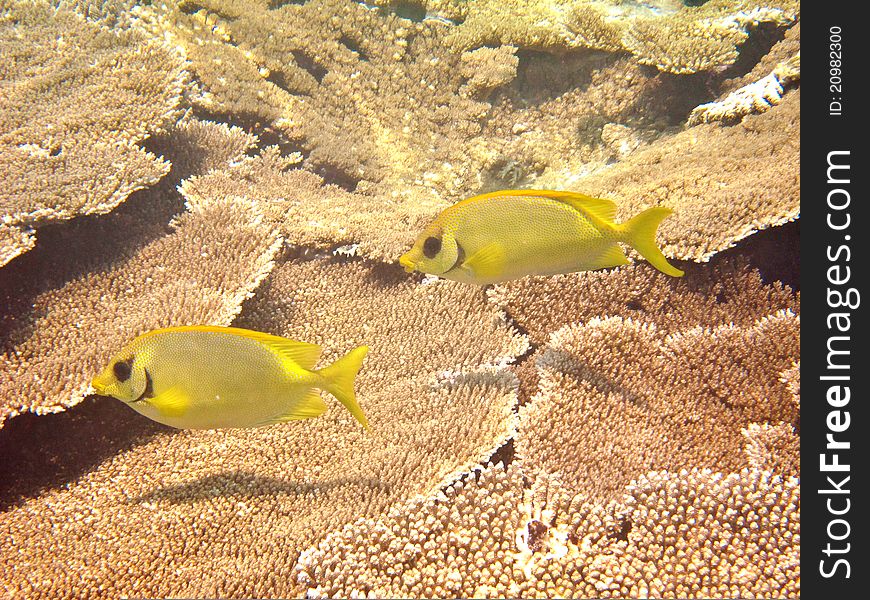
[123,369]
[431,247]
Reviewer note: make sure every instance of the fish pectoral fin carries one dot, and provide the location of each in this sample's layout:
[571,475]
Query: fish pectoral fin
[172,402]
[311,405]
[613,257]
[487,262]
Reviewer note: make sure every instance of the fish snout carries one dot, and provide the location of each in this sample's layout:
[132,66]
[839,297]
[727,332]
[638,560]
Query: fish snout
[407,262]
[99,383]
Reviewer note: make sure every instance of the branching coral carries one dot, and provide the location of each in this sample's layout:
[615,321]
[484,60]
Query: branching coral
[340,303]
[200,273]
[365,94]
[682,41]
[310,212]
[708,297]
[458,543]
[687,534]
[489,68]
[648,401]
[75,108]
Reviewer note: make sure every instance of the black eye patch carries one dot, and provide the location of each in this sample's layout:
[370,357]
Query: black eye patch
[431,247]
[123,369]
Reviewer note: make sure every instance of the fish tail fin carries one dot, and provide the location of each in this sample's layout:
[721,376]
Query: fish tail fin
[641,234]
[339,377]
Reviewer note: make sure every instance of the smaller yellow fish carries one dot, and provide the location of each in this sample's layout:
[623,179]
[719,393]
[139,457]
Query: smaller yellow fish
[513,233]
[204,377]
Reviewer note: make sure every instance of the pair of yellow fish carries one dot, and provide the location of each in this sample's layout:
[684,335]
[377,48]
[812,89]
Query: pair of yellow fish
[203,377]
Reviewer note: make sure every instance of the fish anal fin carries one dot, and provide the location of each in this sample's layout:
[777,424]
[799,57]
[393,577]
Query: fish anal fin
[172,402]
[613,257]
[309,406]
[487,262]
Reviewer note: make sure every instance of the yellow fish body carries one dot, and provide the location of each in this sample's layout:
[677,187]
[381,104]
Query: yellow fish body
[204,377]
[513,233]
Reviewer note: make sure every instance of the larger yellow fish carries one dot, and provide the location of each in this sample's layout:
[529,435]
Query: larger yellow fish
[204,377]
[512,233]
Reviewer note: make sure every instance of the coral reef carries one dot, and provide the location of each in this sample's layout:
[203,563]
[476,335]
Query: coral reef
[747,175]
[755,97]
[694,533]
[618,398]
[63,318]
[75,109]
[200,273]
[617,433]
[311,213]
[675,39]
[728,292]
[435,397]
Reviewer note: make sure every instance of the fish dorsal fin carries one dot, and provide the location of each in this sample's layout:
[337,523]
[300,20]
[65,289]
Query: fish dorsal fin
[597,207]
[309,406]
[487,262]
[303,354]
[172,402]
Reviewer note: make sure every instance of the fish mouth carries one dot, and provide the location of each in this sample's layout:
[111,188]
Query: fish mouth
[407,263]
[99,384]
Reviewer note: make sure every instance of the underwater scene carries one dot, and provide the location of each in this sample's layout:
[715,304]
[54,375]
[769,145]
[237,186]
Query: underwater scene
[399,298]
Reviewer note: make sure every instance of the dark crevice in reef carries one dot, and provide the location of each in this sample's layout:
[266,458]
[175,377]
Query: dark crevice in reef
[775,252]
[87,244]
[761,40]
[314,68]
[276,4]
[405,10]
[354,46]
[48,451]
[335,176]
[504,454]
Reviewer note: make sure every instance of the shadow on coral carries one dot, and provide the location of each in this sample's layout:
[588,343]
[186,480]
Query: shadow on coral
[775,252]
[48,451]
[248,485]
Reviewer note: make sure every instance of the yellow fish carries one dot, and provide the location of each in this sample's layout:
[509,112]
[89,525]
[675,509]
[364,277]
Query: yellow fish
[513,233]
[204,377]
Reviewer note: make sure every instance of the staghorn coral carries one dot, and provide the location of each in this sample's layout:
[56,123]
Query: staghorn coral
[75,108]
[200,273]
[435,408]
[489,68]
[708,296]
[773,447]
[687,534]
[724,183]
[312,213]
[695,533]
[457,543]
[650,401]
